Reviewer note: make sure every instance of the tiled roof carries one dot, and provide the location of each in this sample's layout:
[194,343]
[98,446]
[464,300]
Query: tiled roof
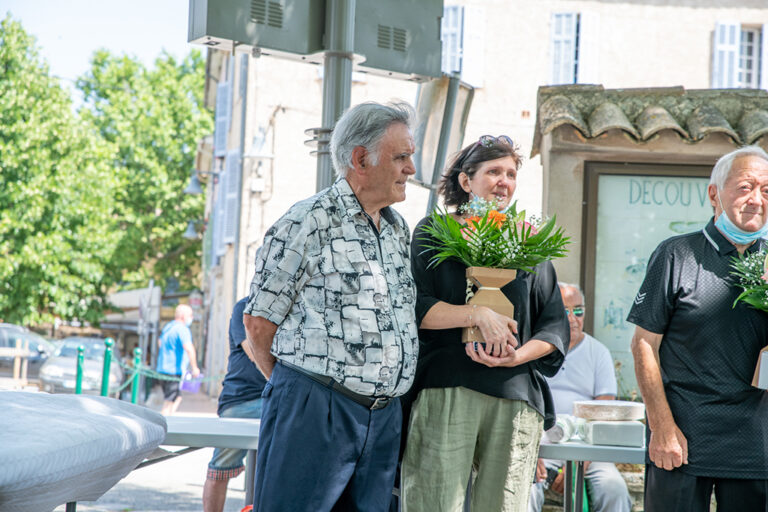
[741,114]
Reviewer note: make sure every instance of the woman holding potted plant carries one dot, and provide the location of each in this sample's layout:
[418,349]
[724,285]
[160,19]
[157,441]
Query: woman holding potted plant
[482,404]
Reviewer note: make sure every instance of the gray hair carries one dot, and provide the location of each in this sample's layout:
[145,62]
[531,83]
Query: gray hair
[365,125]
[724,165]
[574,286]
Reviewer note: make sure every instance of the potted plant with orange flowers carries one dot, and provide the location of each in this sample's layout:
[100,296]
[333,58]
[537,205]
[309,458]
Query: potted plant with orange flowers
[494,246]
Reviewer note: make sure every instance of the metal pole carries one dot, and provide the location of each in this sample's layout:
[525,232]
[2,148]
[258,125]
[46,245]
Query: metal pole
[239,204]
[109,342]
[579,487]
[337,78]
[17,361]
[24,362]
[445,134]
[136,375]
[568,495]
[79,374]
[250,468]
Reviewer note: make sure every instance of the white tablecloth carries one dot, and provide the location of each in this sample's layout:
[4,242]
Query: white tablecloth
[60,448]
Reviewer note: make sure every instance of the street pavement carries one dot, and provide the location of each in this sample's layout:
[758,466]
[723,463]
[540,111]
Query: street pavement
[173,485]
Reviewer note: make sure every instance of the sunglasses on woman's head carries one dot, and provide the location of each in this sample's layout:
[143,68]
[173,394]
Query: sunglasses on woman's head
[487,141]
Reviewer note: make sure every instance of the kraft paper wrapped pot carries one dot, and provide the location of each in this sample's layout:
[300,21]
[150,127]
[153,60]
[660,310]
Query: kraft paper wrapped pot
[489,282]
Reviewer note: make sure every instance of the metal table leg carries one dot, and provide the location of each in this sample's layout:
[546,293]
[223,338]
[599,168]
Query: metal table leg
[568,488]
[250,472]
[579,500]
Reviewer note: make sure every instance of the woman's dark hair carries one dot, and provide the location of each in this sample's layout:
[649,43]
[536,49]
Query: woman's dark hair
[469,159]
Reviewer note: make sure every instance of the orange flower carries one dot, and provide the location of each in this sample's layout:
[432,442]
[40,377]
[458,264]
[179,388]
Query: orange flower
[472,222]
[497,218]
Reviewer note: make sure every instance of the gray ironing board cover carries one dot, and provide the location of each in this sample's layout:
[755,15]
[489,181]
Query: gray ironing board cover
[55,449]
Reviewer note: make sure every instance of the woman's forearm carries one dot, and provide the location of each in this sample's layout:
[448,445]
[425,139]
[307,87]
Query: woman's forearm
[447,316]
[533,349]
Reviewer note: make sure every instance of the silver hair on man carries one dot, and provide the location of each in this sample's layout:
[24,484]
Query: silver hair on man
[722,168]
[365,125]
[575,287]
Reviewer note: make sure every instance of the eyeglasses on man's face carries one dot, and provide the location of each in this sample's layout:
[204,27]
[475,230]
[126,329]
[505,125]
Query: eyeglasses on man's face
[578,311]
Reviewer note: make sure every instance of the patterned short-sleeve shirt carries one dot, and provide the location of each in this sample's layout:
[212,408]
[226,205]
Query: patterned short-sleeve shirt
[340,292]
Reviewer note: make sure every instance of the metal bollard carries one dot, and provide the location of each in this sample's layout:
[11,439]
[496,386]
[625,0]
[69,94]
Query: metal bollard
[109,342]
[79,374]
[136,375]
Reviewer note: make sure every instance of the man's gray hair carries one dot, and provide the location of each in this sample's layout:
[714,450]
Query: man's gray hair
[365,125]
[574,286]
[724,165]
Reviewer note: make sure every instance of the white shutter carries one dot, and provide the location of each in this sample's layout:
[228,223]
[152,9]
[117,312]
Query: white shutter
[725,56]
[219,208]
[231,197]
[563,48]
[223,115]
[243,75]
[450,35]
[588,60]
[473,46]
[763,57]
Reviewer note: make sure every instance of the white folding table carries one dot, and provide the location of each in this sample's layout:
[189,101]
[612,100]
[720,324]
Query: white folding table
[196,432]
[577,451]
[209,431]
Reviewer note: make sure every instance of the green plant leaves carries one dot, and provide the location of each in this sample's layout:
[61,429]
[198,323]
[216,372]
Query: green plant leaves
[486,242]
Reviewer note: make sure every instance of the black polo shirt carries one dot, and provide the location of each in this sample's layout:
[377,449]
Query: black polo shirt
[708,353]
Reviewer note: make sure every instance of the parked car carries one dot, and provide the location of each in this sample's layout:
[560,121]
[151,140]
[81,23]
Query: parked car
[59,372]
[39,349]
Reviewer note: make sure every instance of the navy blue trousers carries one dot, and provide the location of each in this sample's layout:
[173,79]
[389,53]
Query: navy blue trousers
[320,451]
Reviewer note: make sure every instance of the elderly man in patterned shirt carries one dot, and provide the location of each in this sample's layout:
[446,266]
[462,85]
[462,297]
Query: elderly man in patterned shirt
[330,323]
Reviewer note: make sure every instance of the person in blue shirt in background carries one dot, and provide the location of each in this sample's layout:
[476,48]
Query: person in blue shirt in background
[240,398]
[175,355]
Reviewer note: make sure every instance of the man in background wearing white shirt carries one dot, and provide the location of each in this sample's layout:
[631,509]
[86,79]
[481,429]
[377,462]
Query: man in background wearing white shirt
[586,374]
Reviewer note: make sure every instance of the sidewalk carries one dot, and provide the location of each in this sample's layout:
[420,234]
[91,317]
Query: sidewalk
[197,404]
[172,485]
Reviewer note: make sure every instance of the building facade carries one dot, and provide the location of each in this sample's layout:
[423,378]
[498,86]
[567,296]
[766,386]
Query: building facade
[506,49]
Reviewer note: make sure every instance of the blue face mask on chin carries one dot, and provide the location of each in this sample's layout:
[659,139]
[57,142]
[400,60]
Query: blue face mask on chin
[734,233]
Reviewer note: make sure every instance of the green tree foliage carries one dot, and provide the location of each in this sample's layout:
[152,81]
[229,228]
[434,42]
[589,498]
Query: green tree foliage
[92,201]
[155,118]
[57,235]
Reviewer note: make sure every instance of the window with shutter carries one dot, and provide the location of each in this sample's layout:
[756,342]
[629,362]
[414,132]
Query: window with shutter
[450,35]
[219,208]
[463,37]
[564,46]
[739,56]
[231,198]
[223,116]
[725,56]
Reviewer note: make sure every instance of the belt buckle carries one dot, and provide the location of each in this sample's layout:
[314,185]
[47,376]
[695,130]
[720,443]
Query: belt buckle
[379,403]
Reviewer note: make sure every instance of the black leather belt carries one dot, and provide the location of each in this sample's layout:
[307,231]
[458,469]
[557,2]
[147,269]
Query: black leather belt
[369,402]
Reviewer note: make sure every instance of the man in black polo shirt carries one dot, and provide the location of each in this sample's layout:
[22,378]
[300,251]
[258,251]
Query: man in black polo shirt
[695,354]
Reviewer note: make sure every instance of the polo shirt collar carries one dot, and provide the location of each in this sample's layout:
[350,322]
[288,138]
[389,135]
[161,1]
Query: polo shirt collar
[721,244]
[351,203]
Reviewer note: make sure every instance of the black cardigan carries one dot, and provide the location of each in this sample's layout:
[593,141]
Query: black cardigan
[539,313]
